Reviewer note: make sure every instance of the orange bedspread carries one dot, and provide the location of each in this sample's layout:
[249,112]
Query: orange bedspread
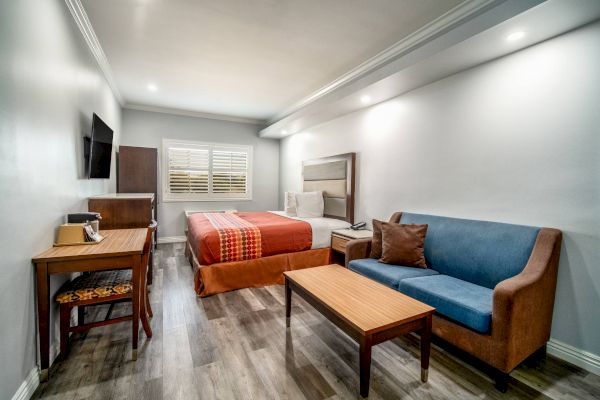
[278,235]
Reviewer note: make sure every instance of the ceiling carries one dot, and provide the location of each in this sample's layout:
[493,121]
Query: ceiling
[479,40]
[249,59]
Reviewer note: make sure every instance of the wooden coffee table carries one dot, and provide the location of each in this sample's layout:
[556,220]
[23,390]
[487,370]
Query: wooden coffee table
[367,311]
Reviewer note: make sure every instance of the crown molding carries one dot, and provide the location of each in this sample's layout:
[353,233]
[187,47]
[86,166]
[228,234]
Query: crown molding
[197,114]
[457,15]
[85,26]
[467,9]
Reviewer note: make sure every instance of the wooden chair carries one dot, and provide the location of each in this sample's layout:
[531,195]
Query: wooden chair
[103,287]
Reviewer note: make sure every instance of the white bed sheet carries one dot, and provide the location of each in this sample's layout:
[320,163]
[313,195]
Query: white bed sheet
[321,228]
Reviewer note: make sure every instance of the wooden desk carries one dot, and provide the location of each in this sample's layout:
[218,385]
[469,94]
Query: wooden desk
[367,311]
[120,249]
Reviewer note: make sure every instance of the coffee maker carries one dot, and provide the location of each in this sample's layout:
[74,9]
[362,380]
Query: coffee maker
[79,218]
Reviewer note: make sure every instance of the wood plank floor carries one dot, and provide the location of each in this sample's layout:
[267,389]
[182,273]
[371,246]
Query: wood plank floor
[235,346]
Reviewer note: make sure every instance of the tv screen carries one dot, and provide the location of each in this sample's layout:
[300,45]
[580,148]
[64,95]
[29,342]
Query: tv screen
[100,149]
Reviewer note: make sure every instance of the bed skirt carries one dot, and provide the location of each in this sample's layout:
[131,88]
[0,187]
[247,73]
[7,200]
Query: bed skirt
[223,277]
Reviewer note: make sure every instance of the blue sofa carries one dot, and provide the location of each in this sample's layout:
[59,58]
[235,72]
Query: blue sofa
[492,284]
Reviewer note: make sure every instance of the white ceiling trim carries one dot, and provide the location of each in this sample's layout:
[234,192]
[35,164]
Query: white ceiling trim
[197,114]
[421,65]
[458,14]
[83,22]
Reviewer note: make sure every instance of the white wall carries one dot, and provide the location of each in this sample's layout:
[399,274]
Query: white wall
[515,140]
[147,129]
[49,87]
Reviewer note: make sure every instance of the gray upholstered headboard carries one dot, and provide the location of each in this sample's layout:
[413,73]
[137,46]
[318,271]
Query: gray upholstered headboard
[335,177]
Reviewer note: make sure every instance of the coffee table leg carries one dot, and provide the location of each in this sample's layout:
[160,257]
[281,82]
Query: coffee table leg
[288,302]
[365,365]
[425,348]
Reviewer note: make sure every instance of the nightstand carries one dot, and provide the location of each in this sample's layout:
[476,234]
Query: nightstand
[341,237]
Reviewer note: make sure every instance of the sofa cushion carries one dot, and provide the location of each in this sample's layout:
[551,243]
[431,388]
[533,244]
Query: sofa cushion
[480,252]
[461,301]
[376,242]
[387,274]
[403,244]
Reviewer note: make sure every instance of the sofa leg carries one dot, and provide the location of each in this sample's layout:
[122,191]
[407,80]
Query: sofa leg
[537,357]
[540,354]
[502,381]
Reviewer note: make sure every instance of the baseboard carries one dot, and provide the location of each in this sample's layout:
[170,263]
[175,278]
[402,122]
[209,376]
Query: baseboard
[581,358]
[55,350]
[28,386]
[171,239]
[31,383]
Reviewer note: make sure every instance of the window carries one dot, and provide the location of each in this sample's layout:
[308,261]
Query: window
[195,171]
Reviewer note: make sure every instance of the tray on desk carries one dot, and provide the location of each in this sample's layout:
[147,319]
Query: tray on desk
[77,243]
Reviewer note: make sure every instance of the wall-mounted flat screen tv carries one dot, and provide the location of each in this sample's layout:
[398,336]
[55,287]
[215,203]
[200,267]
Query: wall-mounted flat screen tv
[100,150]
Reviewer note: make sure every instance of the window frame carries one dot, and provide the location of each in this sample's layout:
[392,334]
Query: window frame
[168,197]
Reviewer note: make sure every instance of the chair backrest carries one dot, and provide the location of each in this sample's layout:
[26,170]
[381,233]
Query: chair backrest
[481,252]
[148,242]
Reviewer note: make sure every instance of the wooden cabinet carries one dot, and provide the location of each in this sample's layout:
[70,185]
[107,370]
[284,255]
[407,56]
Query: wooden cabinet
[137,172]
[123,210]
[339,240]
[338,243]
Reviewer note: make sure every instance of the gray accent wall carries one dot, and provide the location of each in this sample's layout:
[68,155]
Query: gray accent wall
[514,140]
[148,129]
[49,87]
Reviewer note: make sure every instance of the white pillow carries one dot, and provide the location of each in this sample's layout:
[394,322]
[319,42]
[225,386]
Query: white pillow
[309,204]
[290,203]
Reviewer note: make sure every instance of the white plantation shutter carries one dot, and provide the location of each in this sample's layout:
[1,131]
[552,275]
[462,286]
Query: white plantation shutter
[229,171]
[188,170]
[202,171]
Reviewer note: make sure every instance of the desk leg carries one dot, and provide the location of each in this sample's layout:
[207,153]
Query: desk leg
[288,302]
[425,348]
[366,343]
[135,304]
[43,303]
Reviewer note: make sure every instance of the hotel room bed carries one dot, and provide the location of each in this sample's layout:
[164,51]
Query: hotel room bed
[231,251]
[285,244]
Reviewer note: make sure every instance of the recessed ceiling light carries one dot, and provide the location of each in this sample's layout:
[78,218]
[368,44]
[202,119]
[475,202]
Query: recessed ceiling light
[152,87]
[515,36]
[365,99]
[284,132]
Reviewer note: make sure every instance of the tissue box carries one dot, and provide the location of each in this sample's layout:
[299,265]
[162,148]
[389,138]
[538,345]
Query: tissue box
[70,234]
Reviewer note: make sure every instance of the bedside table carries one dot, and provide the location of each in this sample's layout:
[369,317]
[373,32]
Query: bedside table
[341,237]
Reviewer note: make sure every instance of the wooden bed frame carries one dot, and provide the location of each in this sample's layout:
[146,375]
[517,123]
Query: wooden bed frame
[335,177]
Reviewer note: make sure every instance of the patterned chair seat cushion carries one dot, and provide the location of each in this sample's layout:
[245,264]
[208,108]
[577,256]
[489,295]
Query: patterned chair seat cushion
[95,285]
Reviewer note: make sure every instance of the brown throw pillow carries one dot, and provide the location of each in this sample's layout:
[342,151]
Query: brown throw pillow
[376,241]
[403,244]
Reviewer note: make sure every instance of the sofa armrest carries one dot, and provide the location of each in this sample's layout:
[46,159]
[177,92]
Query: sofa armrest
[357,249]
[523,304]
